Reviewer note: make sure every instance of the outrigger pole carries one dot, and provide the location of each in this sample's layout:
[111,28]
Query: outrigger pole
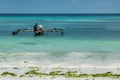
[39,31]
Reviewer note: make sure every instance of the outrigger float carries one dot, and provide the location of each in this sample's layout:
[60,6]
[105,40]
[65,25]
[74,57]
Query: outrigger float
[39,31]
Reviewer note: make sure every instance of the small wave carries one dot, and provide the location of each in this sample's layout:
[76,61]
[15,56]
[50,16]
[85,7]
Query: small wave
[53,59]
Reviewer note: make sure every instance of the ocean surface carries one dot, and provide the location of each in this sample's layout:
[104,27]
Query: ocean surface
[88,40]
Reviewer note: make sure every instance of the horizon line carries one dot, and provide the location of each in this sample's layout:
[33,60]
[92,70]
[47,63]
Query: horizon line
[59,13]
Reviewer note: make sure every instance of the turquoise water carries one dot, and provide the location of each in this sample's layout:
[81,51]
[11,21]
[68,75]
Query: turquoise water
[83,34]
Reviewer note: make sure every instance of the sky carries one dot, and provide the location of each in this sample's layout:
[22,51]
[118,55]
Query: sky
[59,6]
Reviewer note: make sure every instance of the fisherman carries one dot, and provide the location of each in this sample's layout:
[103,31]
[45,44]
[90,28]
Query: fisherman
[38,29]
[35,29]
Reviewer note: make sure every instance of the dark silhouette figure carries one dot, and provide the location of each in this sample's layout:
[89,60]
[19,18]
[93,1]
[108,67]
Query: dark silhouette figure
[35,29]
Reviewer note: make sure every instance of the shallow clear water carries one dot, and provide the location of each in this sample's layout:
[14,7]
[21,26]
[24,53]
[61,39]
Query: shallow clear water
[98,35]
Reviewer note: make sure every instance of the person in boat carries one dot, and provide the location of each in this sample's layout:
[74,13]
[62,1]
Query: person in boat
[38,29]
[35,29]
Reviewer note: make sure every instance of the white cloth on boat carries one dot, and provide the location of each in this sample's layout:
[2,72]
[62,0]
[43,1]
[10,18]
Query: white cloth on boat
[40,26]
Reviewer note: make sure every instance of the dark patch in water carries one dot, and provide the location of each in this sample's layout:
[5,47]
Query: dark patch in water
[28,43]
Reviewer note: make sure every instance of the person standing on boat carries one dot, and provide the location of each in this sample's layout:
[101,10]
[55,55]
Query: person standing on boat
[38,29]
[35,29]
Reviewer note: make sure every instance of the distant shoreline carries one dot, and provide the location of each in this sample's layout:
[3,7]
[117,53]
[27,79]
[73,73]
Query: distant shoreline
[59,13]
